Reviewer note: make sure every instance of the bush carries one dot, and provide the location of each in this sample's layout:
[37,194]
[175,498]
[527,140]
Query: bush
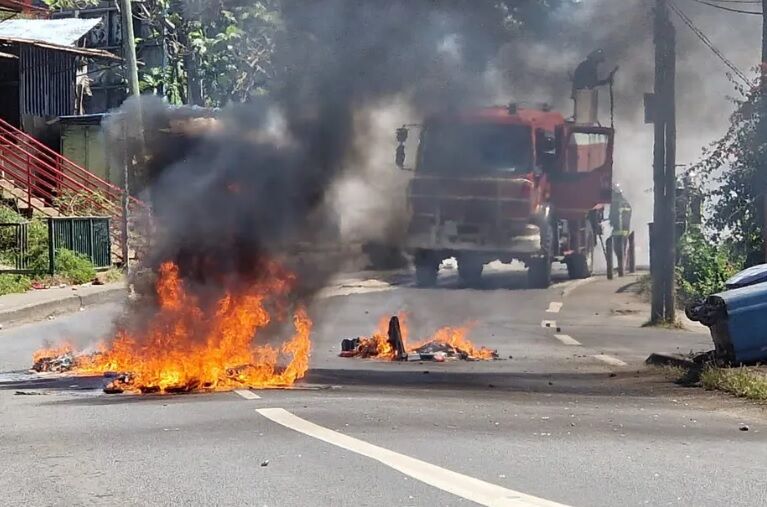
[12,284]
[76,268]
[703,267]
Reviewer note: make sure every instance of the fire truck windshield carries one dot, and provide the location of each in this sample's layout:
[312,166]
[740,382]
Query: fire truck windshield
[476,148]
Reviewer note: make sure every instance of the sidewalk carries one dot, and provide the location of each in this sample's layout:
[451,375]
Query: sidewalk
[41,304]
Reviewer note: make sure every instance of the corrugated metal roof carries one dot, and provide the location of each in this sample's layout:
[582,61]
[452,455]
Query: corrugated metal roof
[62,32]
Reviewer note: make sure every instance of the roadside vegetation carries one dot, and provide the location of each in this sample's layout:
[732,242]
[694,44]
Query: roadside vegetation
[71,268]
[703,267]
[749,382]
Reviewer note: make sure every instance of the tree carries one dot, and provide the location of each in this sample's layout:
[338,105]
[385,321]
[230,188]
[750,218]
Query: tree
[735,169]
[219,49]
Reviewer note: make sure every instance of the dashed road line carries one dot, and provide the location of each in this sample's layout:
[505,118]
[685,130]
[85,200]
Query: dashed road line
[549,324]
[571,286]
[613,361]
[247,394]
[554,307]
[567,339]
[469,488]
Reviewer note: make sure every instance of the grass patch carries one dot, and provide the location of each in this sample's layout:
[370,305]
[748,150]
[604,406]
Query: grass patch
[743,382]
[14,284]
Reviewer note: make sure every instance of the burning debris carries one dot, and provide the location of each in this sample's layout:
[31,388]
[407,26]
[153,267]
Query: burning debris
[447,343]
[189,346]
[54,360]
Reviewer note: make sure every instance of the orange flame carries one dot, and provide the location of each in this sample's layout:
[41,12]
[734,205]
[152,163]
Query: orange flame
[187,348]
[377,345]
[456,337]
[51,352]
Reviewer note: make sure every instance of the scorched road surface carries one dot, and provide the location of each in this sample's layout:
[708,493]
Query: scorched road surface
[569,420]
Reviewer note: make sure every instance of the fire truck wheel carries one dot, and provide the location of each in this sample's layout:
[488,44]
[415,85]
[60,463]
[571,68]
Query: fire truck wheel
[539,272]
[426,275]
[470,270]
[426,269]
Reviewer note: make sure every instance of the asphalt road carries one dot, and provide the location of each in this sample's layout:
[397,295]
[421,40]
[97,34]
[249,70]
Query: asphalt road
[572,418]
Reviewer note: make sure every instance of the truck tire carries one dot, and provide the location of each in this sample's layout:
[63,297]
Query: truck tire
[539,272]
[539,267]
[470,270]
[426,269]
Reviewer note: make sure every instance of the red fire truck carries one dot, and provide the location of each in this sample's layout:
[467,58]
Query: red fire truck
[506,183]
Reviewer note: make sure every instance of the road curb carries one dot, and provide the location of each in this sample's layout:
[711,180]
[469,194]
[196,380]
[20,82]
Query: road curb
[68,304]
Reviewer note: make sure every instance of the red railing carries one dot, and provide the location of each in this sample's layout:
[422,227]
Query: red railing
[42,175]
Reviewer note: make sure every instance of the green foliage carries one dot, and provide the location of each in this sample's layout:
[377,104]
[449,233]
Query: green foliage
[12,284]
[72,267]
[703,266]
[744,382]
[76,268]
[735,168]
[225,48]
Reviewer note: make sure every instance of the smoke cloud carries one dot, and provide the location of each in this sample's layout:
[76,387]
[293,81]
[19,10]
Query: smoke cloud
[310,163]
[537,68]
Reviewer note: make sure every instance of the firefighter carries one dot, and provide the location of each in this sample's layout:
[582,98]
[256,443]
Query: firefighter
[586,75]
[620,221]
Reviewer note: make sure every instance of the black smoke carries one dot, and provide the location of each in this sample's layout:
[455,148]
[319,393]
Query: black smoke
[251,183]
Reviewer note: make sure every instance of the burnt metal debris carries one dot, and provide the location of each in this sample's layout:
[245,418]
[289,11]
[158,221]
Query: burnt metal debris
[55,364]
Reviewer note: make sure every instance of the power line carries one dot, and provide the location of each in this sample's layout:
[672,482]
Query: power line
[729,9]
[704,38]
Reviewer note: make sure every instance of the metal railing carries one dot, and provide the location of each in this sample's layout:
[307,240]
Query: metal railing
[41,175]
[88,236]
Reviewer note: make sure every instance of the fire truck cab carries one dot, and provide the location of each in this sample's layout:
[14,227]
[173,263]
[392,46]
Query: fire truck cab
[506,183]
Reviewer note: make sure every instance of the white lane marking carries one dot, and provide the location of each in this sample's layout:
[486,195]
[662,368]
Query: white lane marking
[247,394]
[613,361]
[552,324]
[475,490]
[567,339]
[571,286]
[554,307]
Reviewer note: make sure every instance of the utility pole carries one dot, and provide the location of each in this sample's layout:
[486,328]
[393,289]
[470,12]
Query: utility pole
[663,232]
[129,47]
[131,71]
[762,100]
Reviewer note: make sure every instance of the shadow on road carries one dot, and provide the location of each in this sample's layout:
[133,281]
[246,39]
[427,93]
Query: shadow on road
[641,383]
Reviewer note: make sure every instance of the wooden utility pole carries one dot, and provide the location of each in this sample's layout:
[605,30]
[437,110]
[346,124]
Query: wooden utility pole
[129,47]
[669,249]
[763,98]
[663,232]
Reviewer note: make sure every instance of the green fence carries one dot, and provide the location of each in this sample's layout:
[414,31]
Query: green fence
[88,236]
